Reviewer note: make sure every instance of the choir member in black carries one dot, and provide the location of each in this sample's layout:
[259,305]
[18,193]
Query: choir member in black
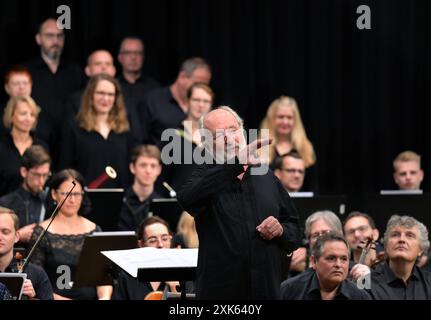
[63,241]
[145,167]
[54,79]
[37,285]
[284,123]
[152,232]
[19,83]
[290,169]
[328,280]
[131,57]
[98,62]
[200,99]
[100,137]
[28,201]
[398,278]
[246,221]
[20,117]
[166,107]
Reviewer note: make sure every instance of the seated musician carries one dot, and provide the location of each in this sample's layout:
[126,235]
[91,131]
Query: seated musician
[328,280]
[359,227]
[153,232]
[399,278]
[145,166]
[37,285]
[318,223]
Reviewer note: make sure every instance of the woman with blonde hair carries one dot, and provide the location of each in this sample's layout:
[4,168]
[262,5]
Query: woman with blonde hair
[20,119]
[284,123]
[100,136]
[186,236]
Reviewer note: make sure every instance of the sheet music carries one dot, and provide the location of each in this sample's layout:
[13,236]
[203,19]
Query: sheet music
[131,260]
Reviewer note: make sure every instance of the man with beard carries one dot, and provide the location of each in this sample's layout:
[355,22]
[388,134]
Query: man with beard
[28,200]
[328,281]
[53,79]
[246,222]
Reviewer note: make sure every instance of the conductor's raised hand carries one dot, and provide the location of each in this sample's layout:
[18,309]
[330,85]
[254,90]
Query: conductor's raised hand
[270,228]
[248,155]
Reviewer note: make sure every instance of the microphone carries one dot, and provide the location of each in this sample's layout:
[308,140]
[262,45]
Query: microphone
[109,173]
[172,192]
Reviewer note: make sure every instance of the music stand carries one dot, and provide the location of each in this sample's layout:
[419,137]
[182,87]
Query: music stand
[105,207]
[180,274]
[151,264]
[308,205]
[14,282]
[382,207]
[94,269]
[168,209]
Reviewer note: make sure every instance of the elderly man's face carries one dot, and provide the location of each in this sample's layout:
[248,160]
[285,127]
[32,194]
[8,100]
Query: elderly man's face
[227,134]
[403,244]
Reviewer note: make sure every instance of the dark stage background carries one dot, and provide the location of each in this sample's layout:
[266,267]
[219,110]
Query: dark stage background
[364,94]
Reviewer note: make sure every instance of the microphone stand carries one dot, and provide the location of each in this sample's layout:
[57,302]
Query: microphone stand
[172,192]
[53,215]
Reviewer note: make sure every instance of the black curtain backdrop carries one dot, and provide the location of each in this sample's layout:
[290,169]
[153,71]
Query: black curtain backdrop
[363,94]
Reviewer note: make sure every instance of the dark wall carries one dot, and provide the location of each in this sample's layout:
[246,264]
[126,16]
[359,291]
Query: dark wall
[363,94]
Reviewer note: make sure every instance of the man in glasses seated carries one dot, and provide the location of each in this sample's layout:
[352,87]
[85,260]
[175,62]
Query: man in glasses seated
[153,232]
[28,201]
[358,229]
[290,169]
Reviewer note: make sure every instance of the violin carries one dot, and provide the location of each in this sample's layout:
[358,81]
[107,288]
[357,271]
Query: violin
[154,295]
[370,244]
[19,258]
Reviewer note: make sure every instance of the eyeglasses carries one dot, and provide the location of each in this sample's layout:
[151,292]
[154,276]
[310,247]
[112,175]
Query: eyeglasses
[40,175]
[293,171]
[154,240]
[220,133]
[130,53]
[105,94]
[53,35]
[316,235]
[73,194]
[203,101]
[361,229]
